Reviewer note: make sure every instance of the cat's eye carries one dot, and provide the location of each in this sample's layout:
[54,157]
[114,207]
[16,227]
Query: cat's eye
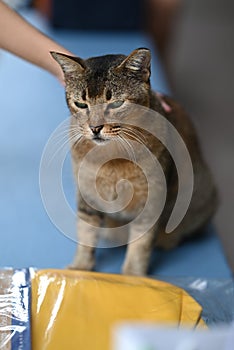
[115,104]
[81,104]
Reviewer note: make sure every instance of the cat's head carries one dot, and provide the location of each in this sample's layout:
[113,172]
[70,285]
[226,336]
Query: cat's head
[99,89]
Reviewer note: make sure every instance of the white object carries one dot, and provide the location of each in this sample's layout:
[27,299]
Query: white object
[152,337]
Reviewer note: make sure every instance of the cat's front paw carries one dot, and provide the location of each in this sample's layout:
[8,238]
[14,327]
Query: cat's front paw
[133,270]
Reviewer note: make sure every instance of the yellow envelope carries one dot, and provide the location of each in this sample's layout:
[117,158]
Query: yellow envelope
[77,309]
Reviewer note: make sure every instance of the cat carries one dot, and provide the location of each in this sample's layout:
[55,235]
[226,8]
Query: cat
[114,82]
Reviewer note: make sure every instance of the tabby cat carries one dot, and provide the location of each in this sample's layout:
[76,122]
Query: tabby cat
[115,82]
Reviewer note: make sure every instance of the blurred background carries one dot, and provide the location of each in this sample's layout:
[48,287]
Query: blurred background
[193,53]
[196,43]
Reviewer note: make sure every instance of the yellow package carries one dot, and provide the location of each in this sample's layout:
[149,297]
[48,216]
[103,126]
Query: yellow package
[77,309]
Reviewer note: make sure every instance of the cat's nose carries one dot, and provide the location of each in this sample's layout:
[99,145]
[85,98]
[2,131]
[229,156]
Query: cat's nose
[96,129]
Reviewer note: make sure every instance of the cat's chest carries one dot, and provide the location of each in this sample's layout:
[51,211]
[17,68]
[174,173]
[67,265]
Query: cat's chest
[119,185]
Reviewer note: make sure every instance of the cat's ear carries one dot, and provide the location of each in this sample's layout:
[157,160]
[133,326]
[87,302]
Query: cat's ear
[69,64]
[138,61]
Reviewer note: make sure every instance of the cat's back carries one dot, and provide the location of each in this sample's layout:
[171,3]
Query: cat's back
[204,199]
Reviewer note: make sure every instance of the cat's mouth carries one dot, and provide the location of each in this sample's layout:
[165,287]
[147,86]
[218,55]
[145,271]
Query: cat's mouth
[102,134]
[99,140]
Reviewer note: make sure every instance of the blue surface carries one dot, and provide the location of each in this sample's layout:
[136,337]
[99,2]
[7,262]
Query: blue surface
[32,106]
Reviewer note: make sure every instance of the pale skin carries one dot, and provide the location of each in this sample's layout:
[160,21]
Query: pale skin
[23,40]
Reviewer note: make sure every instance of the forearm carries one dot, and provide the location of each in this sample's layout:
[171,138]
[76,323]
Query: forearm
[22,39]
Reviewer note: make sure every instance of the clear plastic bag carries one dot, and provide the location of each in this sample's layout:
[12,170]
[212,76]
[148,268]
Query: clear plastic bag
[215,296]
[15,309]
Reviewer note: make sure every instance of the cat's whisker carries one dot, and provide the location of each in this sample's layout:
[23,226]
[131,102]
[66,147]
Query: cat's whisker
[69,140]
[134,137]
[61,137]
[65,132]
[132,148]
[65,137]
[128,144]
[137,133]
[71,131]
[143,144]
[60,134]
[74,138]
[121,143]
[66,128]
[75,143]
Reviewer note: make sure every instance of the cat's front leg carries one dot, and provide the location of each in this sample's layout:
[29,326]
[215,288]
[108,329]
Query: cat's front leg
[87,227]
[139,251]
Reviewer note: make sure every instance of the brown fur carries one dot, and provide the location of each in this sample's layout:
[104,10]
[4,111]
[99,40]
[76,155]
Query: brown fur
[105,80]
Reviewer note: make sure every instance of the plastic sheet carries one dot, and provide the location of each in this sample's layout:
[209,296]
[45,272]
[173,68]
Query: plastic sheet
[215,296]
[72,309]
[14,310]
